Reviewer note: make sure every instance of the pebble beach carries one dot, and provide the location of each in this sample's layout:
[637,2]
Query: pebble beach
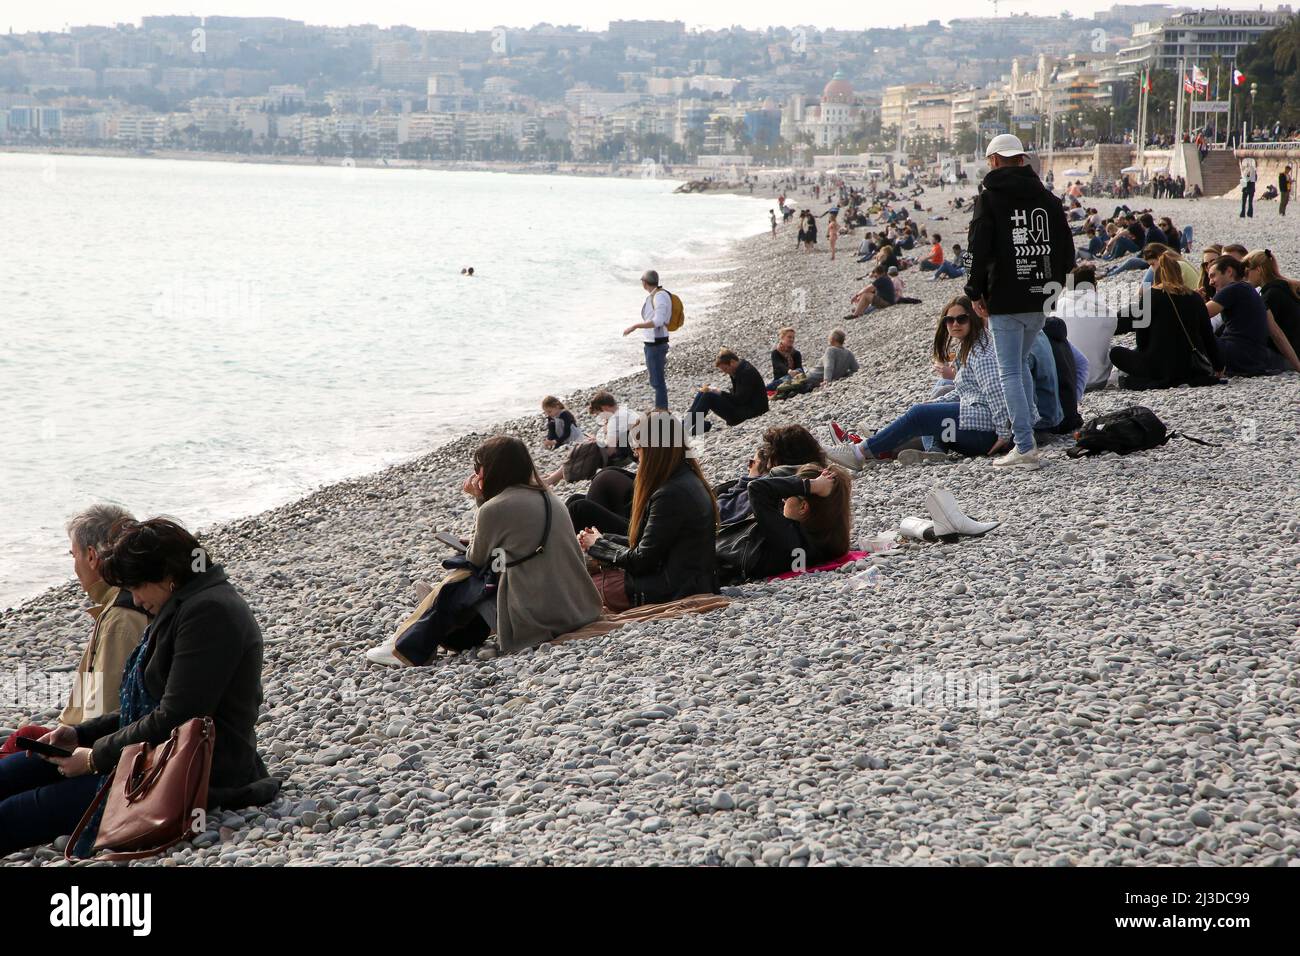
[1111,677]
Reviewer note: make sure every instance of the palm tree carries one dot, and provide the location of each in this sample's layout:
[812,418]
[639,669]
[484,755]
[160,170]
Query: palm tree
[1286,45]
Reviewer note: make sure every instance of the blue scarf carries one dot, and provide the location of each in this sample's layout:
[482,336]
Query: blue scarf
[134,702]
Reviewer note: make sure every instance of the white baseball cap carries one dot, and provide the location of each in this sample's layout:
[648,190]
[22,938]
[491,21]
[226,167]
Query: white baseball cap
[1005,144]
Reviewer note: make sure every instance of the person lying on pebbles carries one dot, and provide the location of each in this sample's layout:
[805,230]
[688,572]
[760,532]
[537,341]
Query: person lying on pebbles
[971,420]
[783,449]
[800,521]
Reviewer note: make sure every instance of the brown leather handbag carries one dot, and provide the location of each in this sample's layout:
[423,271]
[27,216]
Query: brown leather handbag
[151,798]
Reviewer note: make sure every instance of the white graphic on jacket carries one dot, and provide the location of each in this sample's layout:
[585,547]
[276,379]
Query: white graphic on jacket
[1031,245]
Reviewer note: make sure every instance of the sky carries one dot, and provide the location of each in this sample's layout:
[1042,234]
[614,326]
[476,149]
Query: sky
[25,15]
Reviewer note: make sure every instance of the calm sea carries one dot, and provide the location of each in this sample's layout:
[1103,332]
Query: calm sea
[207,340]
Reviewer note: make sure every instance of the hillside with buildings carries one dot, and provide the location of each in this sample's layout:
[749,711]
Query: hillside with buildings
[637,91]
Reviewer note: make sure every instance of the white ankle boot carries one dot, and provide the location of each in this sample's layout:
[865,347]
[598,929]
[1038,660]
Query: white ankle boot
[949,520]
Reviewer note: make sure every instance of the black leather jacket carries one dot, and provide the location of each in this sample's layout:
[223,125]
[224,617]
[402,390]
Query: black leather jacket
[674,554]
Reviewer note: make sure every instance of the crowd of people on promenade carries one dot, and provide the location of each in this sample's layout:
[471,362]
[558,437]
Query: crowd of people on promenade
[1012,356]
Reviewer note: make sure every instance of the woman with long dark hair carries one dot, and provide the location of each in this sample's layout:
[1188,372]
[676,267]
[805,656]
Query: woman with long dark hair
[972,419]
[549,593]
[668,552]
[200,656]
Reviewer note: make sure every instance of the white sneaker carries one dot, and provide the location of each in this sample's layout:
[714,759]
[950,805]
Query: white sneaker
[1029,460]
[383,654]
[846,456]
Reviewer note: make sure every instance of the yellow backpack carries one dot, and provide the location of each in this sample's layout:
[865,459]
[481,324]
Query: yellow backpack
[678,316]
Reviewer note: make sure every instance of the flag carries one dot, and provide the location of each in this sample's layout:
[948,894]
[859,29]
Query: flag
[1198,77]
[1187,86]
[1146,82]
[1238,77]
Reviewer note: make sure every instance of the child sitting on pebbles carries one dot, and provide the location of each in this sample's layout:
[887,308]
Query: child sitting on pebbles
[561,427]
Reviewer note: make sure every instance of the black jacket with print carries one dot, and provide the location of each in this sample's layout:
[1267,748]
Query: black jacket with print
[1019,242]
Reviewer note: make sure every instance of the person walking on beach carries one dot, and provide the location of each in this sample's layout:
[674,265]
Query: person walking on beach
[771,213]
[1249,176]
[1019,243]
[655,313]
[832,235]
[1285,183]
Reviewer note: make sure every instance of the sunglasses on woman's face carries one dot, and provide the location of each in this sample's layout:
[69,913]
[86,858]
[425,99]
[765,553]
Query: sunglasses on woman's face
[957,319]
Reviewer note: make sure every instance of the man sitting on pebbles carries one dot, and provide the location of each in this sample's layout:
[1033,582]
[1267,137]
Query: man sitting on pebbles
[746,399]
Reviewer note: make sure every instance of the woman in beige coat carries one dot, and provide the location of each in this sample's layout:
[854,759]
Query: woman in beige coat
[548,592]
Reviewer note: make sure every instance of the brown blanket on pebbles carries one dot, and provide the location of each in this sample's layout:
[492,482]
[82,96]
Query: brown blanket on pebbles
[695,604]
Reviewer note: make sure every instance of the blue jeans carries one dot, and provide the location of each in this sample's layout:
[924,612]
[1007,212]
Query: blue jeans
[936,421]
[949,270]
[1013,340]
[37,805]
[656,359]
[925,265]
[1124,246]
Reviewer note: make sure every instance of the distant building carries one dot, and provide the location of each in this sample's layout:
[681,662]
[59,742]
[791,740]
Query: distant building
[646,33]
[838,116]
[1197,36]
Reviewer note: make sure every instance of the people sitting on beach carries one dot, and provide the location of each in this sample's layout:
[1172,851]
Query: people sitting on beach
[202,657]
[1279,293]
[548,592]
[1089,324]
[837,362]
[609,446]
[561,427]
[952,267]
[1243,324]
[783,449]
[877,294]
[669,549]
[1208,255]
[935,259]
[800,521]
[1169,337]
[115,633]
[785,358]
[971,420]
[1065,375]
[746,399]
[1151,254]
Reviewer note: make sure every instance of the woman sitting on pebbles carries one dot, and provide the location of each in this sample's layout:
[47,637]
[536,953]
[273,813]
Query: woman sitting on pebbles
[1178,323]
[201,656]
[972,419]
[801,520]
[668,552]
[545,595]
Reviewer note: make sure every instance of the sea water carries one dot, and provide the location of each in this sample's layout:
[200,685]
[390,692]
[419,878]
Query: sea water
[209,339]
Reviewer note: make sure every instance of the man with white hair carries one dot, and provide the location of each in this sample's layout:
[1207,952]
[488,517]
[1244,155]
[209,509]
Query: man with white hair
[116,631]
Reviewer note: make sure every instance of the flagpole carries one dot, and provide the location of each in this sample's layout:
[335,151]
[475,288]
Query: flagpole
[1232,85]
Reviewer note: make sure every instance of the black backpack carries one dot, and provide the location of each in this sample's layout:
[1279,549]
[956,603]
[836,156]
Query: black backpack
[1131,429]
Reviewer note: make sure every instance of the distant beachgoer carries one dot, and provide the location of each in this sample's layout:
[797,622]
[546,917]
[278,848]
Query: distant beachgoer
[832,235]
[561,427]
[786,359]
[746,399]
[771,213]
[655,313]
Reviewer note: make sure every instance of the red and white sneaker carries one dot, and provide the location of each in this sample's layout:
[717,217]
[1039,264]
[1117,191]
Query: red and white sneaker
[841,436]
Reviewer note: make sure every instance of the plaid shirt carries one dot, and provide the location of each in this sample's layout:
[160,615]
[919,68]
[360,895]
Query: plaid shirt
[978,387]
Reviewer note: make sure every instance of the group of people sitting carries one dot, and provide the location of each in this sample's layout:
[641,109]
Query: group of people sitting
[171,640]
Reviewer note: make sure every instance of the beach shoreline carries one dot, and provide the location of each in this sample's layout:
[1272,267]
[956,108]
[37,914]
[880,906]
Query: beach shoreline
[1121,602]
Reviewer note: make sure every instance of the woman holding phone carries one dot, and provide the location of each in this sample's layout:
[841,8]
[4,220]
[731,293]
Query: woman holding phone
[201,656]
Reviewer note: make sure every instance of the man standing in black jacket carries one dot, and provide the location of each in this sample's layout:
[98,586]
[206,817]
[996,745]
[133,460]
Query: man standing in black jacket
[747,398]
[1019,245]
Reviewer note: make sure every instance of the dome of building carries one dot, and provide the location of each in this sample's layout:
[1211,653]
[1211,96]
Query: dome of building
[838,90]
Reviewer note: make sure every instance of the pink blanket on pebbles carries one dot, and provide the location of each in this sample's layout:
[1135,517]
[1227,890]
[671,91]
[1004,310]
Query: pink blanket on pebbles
[828,566]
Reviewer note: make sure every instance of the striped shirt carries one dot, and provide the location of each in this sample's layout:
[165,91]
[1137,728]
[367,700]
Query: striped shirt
[978,388]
